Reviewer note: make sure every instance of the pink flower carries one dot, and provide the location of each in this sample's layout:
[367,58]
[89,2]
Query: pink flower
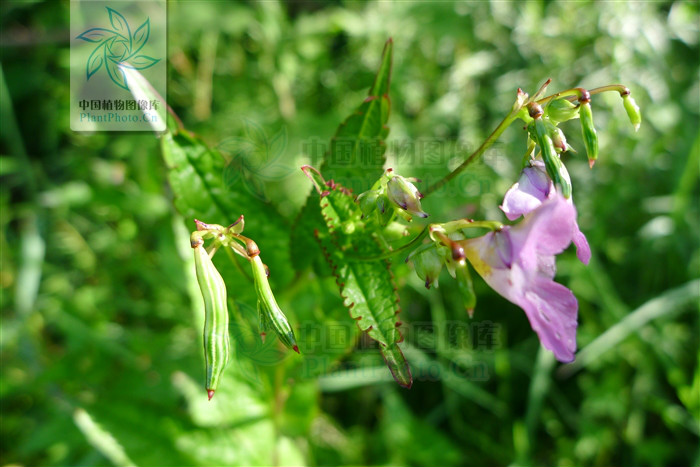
[518,262]
[528,194]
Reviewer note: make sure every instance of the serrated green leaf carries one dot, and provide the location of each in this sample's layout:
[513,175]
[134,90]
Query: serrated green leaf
[355,158]
[196,177]
[367,287]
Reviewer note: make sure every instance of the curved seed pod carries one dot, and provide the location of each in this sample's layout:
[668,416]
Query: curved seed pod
[561,110]
[632,110]
[271,314]
[590,137]
[216,338]
[552,163]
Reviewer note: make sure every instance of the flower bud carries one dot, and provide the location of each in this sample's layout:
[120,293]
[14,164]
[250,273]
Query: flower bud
[466,287]
[385,209]
[590,136]
[552,163]
[428,265]
[405,195]
[267,305]
[561,110]
[557,136]
[632,110]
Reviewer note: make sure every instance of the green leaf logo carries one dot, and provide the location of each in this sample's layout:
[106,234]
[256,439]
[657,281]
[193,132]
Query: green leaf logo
[255,159]
[117,48]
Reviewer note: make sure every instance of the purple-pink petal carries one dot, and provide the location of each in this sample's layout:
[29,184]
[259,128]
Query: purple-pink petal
[532,189]
[528,193]
[583,251]
[527,280]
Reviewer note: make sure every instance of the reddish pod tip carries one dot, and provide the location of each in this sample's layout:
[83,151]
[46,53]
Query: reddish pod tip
[296,349]
[210,393]
[591,163]
[470,312]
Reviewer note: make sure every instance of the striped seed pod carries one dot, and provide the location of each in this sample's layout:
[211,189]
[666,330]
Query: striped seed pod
[590,136]
[271,315]
[216,338]
[554,166]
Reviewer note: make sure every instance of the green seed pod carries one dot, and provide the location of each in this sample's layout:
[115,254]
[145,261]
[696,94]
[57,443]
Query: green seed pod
[466,287]
[267,305]
[428,264]
[216,338]
[590,136]
[552,163]
[561,110]
[632,109]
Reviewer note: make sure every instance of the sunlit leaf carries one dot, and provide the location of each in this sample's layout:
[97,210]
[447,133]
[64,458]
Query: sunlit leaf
[356,156]
[366,286]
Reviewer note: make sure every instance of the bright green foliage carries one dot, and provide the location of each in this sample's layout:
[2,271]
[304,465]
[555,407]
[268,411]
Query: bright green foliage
[366,286]
[101,315]
[355,157]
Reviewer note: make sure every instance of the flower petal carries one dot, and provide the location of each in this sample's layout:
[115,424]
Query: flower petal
[527,280]
[552,310]
[528,193]
[583,251]
[544,233]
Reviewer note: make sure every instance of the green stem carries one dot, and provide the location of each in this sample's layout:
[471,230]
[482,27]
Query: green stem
[416,240]
[570,94]
[454,226]
[575,93]
[505,123]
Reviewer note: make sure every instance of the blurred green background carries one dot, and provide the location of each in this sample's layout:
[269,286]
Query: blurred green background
[101,322]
